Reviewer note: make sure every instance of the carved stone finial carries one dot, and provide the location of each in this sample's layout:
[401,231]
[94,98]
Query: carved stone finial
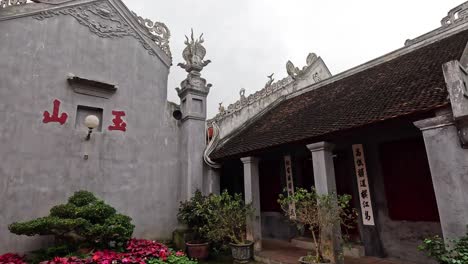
[242,93]
[456,15]
[294,71]
[193,55]
[221,108]
[270,80]
[311,58]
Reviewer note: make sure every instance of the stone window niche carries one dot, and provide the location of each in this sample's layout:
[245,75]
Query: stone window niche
[82,112]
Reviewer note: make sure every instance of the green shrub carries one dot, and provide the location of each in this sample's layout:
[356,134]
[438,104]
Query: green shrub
[84,220]
[195,213]
[82,198]
[228,218]
[174,258]
[455,252]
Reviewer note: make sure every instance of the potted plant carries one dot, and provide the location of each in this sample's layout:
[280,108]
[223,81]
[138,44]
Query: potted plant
[228,223]
[319,213]
[194,213]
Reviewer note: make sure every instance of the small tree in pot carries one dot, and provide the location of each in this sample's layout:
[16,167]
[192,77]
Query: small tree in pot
[195,214]
[228,223]
[319,213]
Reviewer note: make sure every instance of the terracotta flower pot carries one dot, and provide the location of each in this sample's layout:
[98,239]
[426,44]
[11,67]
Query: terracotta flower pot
[302,261]
[197,250]
[241,253]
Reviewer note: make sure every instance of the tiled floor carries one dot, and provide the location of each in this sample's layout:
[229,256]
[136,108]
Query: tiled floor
[275,252]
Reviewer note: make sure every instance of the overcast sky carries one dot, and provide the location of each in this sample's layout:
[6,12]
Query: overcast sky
[246,40]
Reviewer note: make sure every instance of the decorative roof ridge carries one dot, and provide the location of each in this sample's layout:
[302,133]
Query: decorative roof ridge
[447,32]
[456,16]
[247,124]
[271,87]
[8,3]
[252,98]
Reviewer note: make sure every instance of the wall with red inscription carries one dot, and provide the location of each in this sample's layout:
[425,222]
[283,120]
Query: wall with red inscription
[52,64]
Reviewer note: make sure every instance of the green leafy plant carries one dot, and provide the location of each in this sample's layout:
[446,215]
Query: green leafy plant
[454,252]
[83,221]
[320,213]
[228,218]
[174,258]
[195,214]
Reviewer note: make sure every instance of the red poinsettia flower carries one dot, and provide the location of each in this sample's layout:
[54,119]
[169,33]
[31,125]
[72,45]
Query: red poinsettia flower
[11,258]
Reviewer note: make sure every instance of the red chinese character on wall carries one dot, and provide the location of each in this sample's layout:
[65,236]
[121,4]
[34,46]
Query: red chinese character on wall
[118,123]
[55,115]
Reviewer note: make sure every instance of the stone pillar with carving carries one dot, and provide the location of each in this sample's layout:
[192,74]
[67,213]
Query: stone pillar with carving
[193,92]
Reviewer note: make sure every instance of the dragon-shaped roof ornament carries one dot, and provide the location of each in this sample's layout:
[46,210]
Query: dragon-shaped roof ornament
[193,54]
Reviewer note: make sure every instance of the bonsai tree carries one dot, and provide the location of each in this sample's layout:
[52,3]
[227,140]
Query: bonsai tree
[84,221]
[319,213]
[228,221]
[454,252]
[195,214]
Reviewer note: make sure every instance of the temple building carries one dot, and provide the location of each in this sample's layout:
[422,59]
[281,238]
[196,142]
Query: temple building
[83,105]
[391,132]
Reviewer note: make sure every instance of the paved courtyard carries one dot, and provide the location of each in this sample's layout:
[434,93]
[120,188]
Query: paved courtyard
[275,252]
